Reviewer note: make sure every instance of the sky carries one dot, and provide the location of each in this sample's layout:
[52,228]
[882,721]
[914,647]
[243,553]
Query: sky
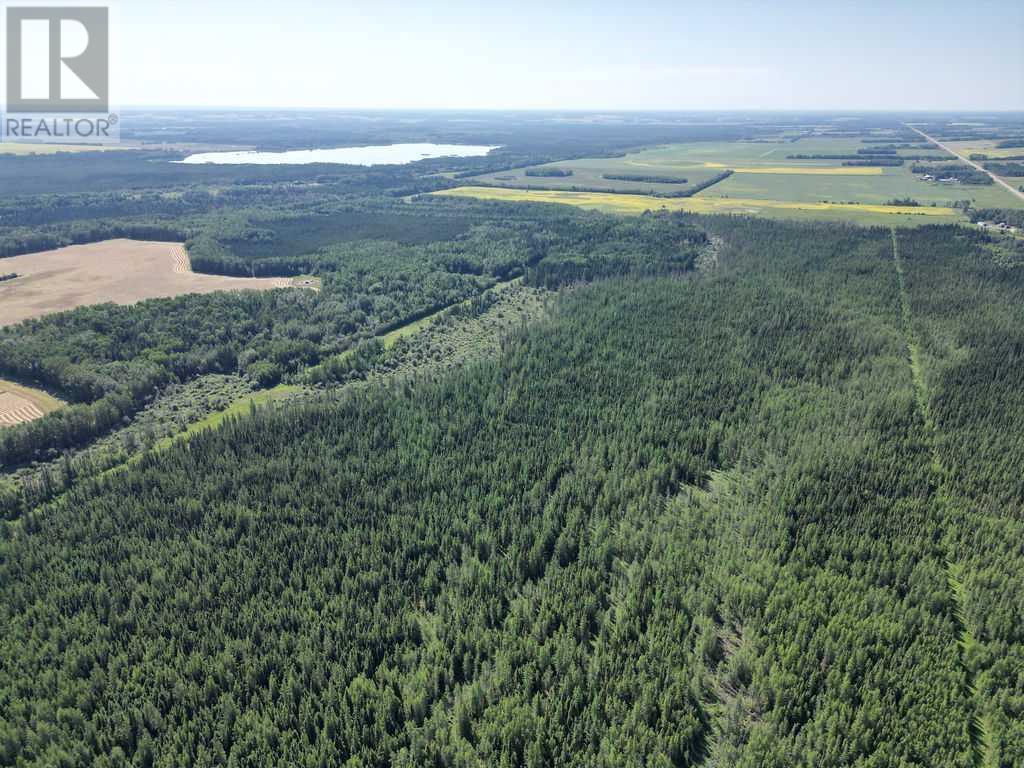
[565,54]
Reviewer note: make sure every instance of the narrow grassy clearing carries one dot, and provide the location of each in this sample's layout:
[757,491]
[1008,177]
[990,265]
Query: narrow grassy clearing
[980,731]
[237,408]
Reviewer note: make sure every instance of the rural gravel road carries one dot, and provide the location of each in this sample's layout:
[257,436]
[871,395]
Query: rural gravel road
[971,163]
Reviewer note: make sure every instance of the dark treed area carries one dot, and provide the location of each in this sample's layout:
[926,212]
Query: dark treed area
[516,484]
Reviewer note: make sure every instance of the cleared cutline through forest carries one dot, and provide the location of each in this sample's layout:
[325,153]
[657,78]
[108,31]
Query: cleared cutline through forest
[283,392]
[388,335]
[707,261]
[978,728]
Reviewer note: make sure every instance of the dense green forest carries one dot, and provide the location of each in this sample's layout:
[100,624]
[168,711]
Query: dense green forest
[545,487]
[967,310]
[767,514]
[110,360]
[686,192]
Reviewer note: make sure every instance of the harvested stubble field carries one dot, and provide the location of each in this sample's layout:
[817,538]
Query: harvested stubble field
[19,404]
[119,271]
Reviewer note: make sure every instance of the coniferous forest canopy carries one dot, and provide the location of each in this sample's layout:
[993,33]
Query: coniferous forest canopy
[697,490]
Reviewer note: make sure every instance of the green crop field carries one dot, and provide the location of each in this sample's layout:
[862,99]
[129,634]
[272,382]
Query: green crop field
[734,154]
[589,173]
[872,215]
[767,171]
[983,147]
[891,184]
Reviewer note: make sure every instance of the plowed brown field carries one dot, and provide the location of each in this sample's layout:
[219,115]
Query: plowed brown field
[121,271]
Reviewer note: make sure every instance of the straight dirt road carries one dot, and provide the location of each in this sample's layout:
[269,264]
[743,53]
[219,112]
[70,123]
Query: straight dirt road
[971,163]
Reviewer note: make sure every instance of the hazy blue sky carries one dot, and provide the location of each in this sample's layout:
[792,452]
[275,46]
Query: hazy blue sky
[645,54]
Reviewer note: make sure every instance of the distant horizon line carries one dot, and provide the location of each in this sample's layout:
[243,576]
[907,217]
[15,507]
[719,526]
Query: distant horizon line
[583,110]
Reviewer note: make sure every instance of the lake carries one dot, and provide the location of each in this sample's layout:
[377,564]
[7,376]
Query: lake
[388,154]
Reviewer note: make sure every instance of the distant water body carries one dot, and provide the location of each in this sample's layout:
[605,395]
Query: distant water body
[389,154]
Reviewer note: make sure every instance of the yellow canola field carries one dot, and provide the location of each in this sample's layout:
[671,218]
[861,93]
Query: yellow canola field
[617,203]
